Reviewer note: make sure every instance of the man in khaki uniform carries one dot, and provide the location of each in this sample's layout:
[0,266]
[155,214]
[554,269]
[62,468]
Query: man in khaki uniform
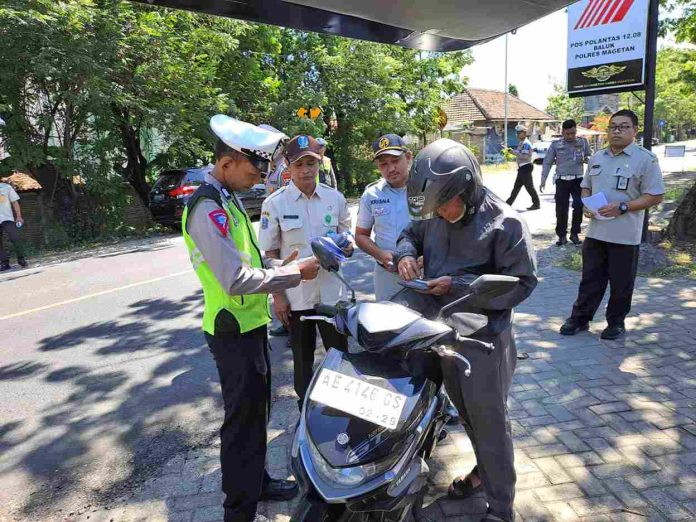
[290,218]
[631,179]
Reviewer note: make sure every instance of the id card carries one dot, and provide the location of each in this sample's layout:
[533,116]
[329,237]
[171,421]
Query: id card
[622,183]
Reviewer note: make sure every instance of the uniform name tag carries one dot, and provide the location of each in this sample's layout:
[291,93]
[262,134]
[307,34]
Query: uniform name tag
[622,183]
[380,211]
[291,217]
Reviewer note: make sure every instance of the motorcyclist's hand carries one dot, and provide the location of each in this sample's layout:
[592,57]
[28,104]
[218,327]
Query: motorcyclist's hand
[281,308]
[440,286]
[386,260]
[420,264]
[408,268]
[309,268]
[348,251]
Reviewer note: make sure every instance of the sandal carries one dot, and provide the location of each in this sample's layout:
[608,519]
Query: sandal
[462,488]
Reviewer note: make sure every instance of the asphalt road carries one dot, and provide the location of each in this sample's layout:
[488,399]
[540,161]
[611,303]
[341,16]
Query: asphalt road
[104,373]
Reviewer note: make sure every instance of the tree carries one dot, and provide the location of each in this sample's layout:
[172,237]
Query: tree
[512,89]
[563,107]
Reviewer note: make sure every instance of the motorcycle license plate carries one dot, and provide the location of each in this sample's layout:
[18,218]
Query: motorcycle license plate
[358,398]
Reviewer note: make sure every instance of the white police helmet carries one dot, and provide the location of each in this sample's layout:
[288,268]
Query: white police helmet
[247,138]
[520,128]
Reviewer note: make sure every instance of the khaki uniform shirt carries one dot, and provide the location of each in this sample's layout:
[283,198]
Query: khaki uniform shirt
[622,177]
[289,220]
[568,157]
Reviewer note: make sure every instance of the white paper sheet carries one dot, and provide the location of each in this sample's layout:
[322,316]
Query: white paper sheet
[594,203]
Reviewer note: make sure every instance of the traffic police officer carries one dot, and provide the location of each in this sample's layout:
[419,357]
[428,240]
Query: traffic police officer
[327,176]
[569,154]
[290,218]
[224,253]
[384,210]
[524,156]
[631,180]
[463,230]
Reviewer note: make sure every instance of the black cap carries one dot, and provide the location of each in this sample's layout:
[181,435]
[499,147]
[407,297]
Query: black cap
[389,144]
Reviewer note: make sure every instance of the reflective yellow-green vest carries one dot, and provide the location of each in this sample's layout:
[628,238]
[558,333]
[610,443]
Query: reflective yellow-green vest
[251,311]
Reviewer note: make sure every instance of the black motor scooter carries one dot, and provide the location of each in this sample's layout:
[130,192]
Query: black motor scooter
[372,417]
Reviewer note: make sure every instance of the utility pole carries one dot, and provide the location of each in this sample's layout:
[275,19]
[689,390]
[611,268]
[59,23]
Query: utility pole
[505,90]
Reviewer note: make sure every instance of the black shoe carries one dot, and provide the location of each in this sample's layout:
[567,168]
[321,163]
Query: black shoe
[534,207]
[277,489]
[573,326]
[5,266]
[575,239]
[278,331]
[611,333]
[561,241]
[22,261]
[509,202]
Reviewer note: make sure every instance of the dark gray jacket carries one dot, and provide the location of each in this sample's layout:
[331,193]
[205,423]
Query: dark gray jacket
[494,241]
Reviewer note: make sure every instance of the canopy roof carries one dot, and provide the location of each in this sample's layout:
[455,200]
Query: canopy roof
[431,25]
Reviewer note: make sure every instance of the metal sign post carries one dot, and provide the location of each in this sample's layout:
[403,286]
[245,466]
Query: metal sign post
[650,66]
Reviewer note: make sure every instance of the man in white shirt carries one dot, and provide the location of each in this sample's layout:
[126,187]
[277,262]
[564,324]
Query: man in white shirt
[10,222]
[290,218]
[524,155]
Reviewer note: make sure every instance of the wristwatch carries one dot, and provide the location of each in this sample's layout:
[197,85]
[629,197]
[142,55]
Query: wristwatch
[623,207]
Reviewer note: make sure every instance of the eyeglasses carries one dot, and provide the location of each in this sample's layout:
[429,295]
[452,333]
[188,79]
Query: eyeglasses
[258,162]
[620,128]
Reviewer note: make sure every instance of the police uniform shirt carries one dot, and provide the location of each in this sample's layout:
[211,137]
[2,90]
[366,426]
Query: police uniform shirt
[384,209]
[622,177]
[230,266]
[7,197]
[289,220]
[568,157]
[524,153]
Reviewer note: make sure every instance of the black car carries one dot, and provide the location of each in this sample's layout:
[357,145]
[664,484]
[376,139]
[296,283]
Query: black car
[173,188]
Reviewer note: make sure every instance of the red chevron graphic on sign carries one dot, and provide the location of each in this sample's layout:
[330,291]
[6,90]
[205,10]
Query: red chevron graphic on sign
[602,12]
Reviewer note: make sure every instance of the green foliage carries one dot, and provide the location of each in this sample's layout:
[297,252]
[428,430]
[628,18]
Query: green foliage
[512,89]
[563,107]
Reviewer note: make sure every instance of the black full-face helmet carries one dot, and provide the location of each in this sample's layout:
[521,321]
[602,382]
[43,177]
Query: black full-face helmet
[442,170]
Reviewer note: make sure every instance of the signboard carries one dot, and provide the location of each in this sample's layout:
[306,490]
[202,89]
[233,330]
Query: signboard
[606,46]
[309,112]
[675,151]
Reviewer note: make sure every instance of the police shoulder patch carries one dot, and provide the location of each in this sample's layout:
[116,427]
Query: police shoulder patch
[220,220]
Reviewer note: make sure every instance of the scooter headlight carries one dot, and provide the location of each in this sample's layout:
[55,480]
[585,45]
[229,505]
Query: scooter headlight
[346,477]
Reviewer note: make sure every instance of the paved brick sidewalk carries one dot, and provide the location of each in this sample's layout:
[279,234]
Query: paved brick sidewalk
[603,430]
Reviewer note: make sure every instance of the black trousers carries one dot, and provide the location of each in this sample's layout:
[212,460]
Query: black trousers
[303,338]
[606,263]
[245,380]
[566,189]
[524,179]
[10,228]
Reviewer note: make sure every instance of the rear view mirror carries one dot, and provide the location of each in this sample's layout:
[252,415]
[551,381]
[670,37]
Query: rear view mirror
[466,324]
[490,286]
[329,255]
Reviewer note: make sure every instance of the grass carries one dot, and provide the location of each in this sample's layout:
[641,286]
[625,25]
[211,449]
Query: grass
[572,261]
[675,193]
[497,168]
[682,260]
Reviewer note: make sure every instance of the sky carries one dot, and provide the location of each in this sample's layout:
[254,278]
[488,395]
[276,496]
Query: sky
[536,59]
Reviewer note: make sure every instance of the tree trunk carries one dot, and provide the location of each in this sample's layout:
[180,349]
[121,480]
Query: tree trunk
[682,226]
[136,166]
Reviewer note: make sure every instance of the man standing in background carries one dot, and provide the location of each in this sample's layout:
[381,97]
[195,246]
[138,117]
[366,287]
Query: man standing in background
[569,154]
[10,222]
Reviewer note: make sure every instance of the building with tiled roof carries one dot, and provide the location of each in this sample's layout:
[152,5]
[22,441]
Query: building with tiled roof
[481,107]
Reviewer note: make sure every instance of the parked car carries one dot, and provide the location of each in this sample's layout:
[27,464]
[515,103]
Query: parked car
[542,146]
[173,188]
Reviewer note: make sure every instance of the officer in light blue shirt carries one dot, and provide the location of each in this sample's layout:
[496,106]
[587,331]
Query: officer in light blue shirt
[384,211]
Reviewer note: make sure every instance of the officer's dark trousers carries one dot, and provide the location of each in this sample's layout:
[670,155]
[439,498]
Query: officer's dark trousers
[564,190]
[303,338]
[245,378]
[606,263]
[481,400]
[524,179]
[10,228]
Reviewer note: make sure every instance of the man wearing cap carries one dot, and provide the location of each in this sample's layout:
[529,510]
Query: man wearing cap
[236,280]
[326,171]
[384,210]
[525,165]
[569,154]
[290,218]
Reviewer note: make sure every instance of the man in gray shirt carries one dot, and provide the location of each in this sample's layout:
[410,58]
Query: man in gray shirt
[569,154]
[224,253]
[631,180]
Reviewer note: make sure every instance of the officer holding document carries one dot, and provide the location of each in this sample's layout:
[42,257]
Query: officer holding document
[626,180]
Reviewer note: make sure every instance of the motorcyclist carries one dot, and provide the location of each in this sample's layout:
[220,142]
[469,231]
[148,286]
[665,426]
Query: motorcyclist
[463,230]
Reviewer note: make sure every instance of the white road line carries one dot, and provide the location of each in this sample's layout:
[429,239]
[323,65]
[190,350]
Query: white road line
[90,296]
